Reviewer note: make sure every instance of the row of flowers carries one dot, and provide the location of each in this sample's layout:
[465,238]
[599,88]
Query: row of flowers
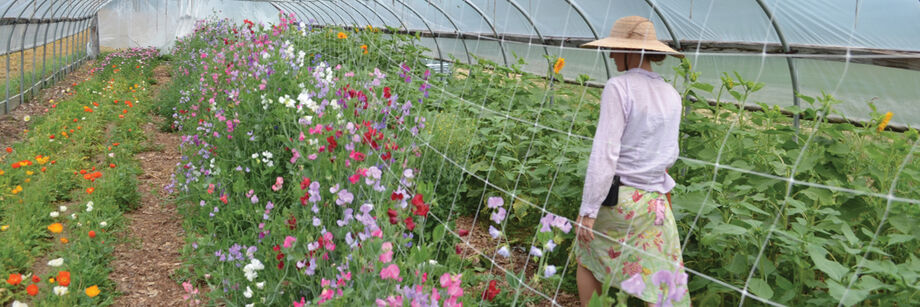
[61,194]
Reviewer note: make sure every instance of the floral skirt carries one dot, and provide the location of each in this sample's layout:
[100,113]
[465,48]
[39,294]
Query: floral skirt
[641,251]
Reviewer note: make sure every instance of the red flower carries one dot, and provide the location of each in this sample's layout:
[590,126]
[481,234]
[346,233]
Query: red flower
[14,279]
[32,290]
[386,92]
[393,214]
[279,256]
[463,232]
[304,198]
[292,222]
[421,209]
[281,265]
[9,149]
[457,249]
[36,279]
[409,223]
[305,183]
[332,143]
[396,196]
[92,234]
[276,248]
[492,291]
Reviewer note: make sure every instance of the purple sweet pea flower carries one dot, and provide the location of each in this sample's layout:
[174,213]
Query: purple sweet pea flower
[499,215]
[494,232]
[546,222]
[495,202]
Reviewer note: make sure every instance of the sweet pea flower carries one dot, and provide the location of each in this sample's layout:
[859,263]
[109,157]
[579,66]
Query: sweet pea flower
[390,272]
[495,202]
[634,285]
[549,271]
[289,241]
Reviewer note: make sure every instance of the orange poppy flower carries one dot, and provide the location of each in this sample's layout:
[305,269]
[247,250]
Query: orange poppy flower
[32,290]
[342,35]
[35,279]
[63,278]
[90,190]
[365,48]
[92,291]
[92,234]
[56,228]
[14,279]
[64,241]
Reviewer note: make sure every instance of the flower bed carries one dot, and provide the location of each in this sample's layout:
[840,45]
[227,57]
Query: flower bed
[65,186]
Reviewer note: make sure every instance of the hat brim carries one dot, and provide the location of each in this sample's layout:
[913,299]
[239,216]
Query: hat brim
[625,43]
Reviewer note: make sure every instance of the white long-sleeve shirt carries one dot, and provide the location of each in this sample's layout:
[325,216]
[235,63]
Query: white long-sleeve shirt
[636,137]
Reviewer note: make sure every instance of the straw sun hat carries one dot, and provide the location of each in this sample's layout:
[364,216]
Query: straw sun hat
[633,32]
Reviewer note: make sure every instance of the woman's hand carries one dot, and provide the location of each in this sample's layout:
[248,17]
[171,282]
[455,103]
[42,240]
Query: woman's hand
[585,230]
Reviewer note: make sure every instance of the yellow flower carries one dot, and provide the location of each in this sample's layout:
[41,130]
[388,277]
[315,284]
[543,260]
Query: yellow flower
[26,118]
[51,280]
[30,173]
[56,228]
[342,35]
[4,227]
[884,123]
[560,63]
[92,291]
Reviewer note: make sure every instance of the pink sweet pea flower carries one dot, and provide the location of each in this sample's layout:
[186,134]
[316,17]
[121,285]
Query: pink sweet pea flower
[289,241]
[278,184]
[390,272]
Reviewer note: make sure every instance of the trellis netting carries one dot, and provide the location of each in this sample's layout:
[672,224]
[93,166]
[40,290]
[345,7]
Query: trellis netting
[764,54]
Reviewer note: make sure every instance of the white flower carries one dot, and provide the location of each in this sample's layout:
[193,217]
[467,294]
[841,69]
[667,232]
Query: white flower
[111,155]
[103,224]
[432,262]
[19,304]
[255,156]
[62,209]
[408,173]
[260,285]
[56,262]
[251,305]
[26,118]
[54,214]
[250,269]
[248,292]
[73,216]
[60,291]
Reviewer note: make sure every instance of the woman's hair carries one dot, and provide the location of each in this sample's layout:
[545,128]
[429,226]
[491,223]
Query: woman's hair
[656,57]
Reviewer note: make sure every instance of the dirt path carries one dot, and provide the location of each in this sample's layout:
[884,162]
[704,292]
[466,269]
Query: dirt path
[143,266]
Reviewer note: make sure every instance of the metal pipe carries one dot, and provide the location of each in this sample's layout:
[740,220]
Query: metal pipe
[368,20]
[789,61]
[501,42]
[353,9]
[581,13]
[532,24]
[381,18]
[469,59]
[391,12]
[327,15]
[327,9]
[22,47]
[667,25]
[9,43]
[433,37]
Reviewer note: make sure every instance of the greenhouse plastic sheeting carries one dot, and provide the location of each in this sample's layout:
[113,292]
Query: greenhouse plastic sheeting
[138,23]
[839,25]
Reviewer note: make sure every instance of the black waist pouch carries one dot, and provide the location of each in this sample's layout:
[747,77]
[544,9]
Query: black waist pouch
[614,194]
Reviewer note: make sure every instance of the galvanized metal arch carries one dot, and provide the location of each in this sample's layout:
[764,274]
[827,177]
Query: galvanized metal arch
[403,23]
[667,25]
[353,9]
[302,9]
[22,47]
[581,13]
[384,22]
[325,17]
[469,59]
[532,24]
[789,60]
[344,22]
[45,50]
[81,11]
[342,9]
[434,37]
[9,42]
[501,42]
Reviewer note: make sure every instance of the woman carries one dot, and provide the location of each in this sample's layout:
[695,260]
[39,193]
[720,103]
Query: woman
[633,243]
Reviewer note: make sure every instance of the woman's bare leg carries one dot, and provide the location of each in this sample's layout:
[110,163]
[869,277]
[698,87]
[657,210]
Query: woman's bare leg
[587,285]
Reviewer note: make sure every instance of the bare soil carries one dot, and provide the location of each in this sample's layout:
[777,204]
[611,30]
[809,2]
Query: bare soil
[144,265]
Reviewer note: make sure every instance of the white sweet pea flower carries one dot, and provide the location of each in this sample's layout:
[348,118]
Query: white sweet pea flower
[103,224]
[248,292]
[19,304]
[62,209]
[54,214]
[260,285]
